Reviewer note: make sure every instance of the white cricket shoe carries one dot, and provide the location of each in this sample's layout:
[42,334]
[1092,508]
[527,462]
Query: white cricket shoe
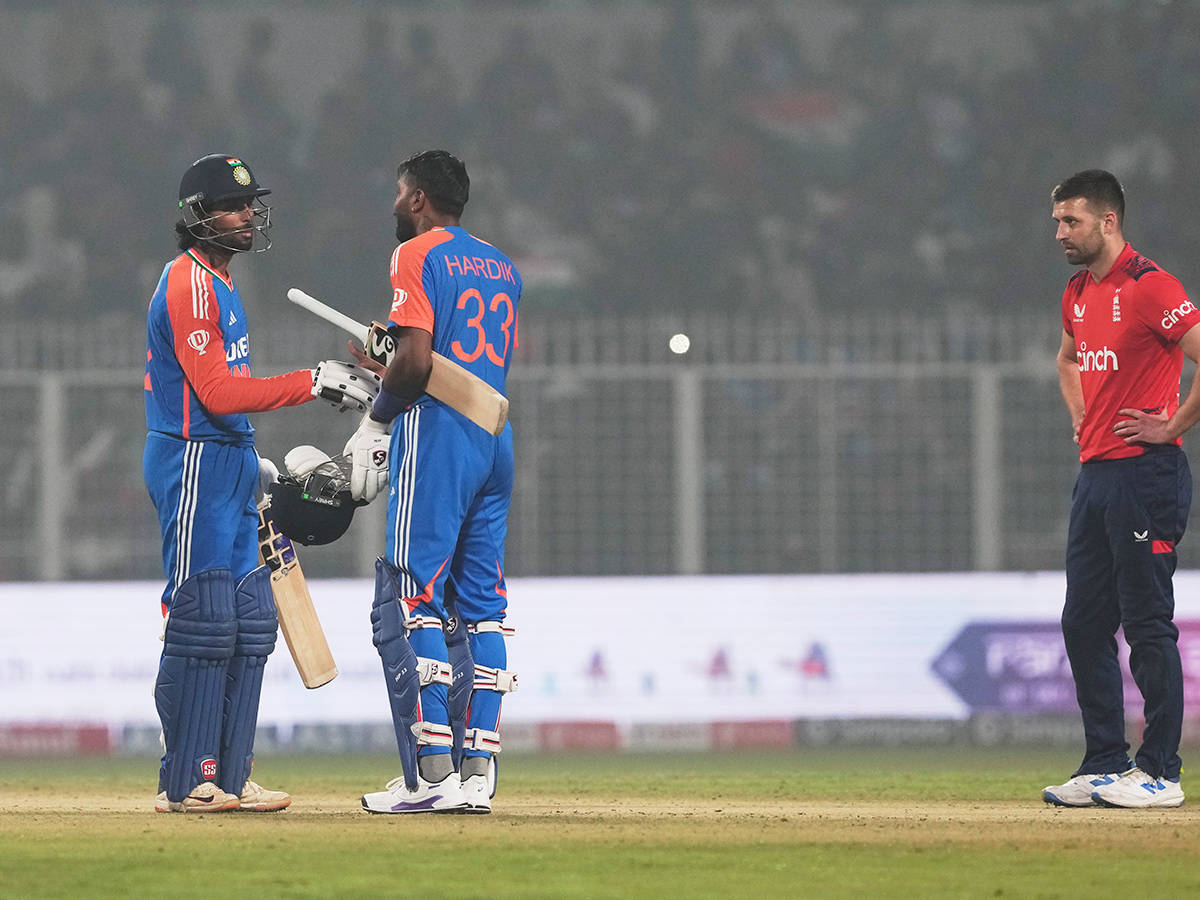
[256,798]
[477,791]
[1137,790]
[205,797]
[1077,791]
[441,797]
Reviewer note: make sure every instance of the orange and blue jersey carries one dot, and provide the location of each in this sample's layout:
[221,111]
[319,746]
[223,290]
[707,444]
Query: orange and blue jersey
[452,481]
[464,292]
[197,383]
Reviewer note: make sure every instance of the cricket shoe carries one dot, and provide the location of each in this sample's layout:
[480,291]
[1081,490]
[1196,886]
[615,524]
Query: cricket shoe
[205,797]
[1137,790]
[478,790]
[478,794]
[445,796]
[1077,791]
[256,798]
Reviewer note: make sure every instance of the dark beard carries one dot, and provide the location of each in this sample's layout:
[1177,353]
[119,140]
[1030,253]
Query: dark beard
[405,229]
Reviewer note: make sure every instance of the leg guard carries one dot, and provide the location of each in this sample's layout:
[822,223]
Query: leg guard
[190,691]
[399,666]
[491,681]
[458,648]
[257,627]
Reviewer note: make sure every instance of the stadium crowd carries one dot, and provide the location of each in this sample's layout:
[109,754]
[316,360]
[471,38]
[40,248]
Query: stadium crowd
[872,175]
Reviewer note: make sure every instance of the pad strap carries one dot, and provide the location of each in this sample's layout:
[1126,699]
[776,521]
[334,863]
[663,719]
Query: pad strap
[431,734]
[496,627]
[480,739]
[489,679]
[434,671]
[412,623]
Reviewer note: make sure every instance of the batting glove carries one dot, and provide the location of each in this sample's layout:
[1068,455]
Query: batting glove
[345,386]
[367,450]
[268,474]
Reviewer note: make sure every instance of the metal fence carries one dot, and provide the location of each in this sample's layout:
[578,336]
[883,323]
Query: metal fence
[914,446]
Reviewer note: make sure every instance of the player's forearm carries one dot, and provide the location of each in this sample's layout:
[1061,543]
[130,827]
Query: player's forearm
[408,373]
[1188,413]
[231,395]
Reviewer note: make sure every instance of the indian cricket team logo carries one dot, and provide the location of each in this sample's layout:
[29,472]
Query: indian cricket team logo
[241,175]
[198,340]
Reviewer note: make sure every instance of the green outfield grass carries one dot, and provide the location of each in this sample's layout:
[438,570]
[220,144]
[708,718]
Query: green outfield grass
[930,823]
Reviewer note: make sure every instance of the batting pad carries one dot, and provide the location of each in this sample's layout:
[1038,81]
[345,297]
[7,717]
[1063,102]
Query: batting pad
[257,627]
[190,690]
[399,666]
[458,649]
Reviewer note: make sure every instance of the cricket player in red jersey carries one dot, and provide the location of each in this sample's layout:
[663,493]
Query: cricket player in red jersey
[202,470]
[440,595]
[1127,325]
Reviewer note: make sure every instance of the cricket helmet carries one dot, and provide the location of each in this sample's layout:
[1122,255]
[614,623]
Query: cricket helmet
[316,508]
[212,180]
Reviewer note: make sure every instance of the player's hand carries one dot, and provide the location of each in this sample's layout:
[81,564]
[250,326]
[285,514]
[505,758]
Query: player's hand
[345,386]
[268,474]
[1143,427]
[367,450]
[361,359]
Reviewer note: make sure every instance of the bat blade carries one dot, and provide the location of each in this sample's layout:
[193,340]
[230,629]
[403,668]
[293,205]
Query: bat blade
[468,394]
[460,389]
[297,616]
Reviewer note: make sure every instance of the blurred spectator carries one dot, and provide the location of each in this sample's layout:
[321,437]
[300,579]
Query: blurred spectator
[867,175]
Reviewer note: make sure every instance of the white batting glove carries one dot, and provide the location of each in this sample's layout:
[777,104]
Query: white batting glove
[302,460]
[345,386]
[268,474]
[368,453]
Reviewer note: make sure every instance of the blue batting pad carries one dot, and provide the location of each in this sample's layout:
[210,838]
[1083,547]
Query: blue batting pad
[399,665]
[190,691]
[458,649]
[257,628]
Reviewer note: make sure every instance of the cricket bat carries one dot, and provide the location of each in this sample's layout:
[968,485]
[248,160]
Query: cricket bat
[297,617]
[449,382]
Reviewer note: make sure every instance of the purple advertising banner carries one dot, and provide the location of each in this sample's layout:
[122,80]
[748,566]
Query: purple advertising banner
[1022,667]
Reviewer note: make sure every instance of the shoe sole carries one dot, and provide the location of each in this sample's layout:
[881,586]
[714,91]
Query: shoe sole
[1108,804]
[199,809]
[266,807]
[452,811]
[1055,801]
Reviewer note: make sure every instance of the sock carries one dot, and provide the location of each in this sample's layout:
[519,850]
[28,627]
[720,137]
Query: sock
[435,767]
[474,765]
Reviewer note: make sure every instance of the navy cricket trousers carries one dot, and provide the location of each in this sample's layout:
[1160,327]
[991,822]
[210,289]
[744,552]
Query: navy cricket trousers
[1127,515]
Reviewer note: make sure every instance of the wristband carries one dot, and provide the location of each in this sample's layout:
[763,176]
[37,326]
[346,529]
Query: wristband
[387,406]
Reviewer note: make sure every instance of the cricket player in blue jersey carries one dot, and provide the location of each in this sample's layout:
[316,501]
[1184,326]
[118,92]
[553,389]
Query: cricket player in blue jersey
[201,469]
[440,596]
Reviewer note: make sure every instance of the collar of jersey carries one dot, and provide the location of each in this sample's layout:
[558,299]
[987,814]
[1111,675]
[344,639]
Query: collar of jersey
[228,282]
